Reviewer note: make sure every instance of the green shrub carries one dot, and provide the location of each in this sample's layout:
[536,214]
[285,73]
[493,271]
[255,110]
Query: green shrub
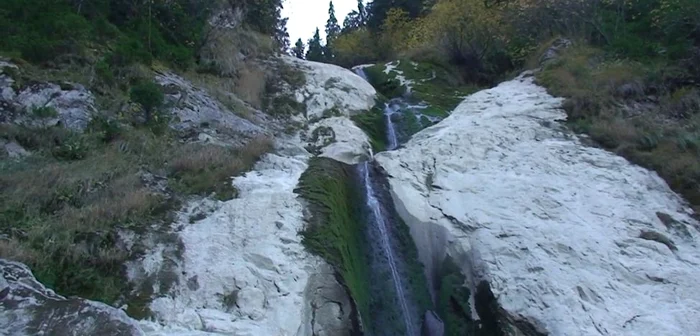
[44,112]
[150,96]
[104,72]
[107,130]
[128,51]
[73,148]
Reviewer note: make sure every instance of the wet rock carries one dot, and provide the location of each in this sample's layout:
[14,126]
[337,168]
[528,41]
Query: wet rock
[29,308]
[329,305]
[551,225]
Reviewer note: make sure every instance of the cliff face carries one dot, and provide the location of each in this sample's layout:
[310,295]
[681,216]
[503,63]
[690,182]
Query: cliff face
[563,238]
[234,266]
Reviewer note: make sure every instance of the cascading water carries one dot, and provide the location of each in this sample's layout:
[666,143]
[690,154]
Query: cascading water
[378,221]
[389,110]
[392,286]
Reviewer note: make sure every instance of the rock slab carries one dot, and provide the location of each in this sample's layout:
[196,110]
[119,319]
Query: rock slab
[556,228]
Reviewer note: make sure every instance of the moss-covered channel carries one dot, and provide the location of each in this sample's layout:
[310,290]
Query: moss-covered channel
[377,257]
[339,229]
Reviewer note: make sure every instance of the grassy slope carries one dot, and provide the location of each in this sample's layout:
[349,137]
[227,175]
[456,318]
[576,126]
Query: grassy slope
[642,111]
[62,207]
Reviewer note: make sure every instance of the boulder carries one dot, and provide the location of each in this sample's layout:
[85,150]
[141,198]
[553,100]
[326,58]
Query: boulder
[330,87]
[347,142]
[194,111]
[550,230]
[29,308]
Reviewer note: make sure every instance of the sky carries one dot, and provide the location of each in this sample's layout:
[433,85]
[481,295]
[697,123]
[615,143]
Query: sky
[305,15]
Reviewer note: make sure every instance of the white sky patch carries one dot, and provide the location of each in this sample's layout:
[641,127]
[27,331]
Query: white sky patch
[305,15]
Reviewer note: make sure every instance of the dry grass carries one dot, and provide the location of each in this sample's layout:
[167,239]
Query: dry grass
[224,90]
[206,168]
[250,85]
[664,136]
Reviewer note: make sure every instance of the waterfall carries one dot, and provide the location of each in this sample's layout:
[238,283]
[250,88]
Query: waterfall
[389,110]
[378,219]
[385,248]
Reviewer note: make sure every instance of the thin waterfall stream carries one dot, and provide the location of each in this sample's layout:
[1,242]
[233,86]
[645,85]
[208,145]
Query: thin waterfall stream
[395,297]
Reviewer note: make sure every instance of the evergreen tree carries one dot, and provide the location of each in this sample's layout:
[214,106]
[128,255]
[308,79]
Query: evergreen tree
[282,36]
[332,32]
[377,9]
[298,49]
[356,18]
[361,13]
[332,27]
[315,52]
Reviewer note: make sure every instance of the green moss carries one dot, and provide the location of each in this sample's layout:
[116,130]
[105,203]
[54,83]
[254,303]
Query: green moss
[333,232]
[385,83]
[373,123]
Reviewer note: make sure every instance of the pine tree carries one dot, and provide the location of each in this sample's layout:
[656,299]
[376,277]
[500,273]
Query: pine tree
[361,13]
[282,36]
[332,32]
[332,27]
[298,49]
[315,52]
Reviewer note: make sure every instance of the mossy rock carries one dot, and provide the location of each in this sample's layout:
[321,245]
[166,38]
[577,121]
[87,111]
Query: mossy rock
[373,123]
[333,232]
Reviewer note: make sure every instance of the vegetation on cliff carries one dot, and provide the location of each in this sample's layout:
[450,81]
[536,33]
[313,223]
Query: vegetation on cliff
[64,206]
[333,230]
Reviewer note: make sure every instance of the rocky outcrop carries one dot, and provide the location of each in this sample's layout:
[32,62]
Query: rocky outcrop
[43,104]
[340,139]
[242,269]
[555,234]
[29,308]
[331,95]
[330,87]
[195,112]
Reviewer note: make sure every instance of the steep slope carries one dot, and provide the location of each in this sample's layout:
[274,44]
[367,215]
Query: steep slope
[553,236]
[229,266]
[243,268]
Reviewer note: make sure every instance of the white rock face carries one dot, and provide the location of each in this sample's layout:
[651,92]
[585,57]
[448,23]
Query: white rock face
[348,143]
[553,226]
[244,270]
[332,94]
[329,86]
[250,269]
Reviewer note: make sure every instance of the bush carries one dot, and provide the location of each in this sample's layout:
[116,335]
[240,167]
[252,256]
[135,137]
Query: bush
[150,96]
[104,72]
[73,148]
[44,112]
